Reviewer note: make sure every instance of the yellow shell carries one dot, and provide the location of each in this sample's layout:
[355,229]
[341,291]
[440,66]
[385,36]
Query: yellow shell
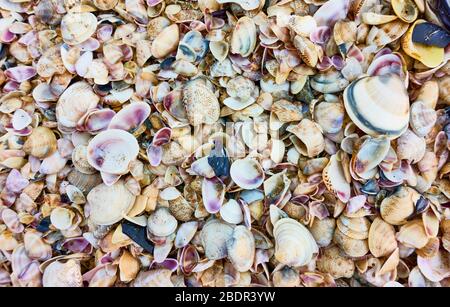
[382,241]
[406,10]
[41,143]
[396,208]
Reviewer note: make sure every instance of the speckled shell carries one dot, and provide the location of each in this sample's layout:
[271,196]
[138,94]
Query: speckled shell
[331,261]
[58,274]
[202,106]
[78,27]
[378,105]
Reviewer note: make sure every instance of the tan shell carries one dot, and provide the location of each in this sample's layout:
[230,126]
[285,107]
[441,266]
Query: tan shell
[430,249]
[62,218]
[352,247]
[58,274]
[181,209]
[41,143]
[286,277]
[413,234]
[79,159]
[35,246]
[355,228]
[128,267]
[445,228]
[382,241]
[396,208]
[83,181]
[78,27]
[161,223]
[241,248]
[331,261]
[406,10]
[202,106]
[154,278]
[323,231]
[108,204]
[310,141]
[387,33]
[166,41]
[307,50]
[422,118]
[105,4]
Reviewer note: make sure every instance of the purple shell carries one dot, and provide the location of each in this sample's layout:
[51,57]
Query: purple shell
[15,182]
[331,11]
[96,121]
[320,35]
[20,73]
[213,193]
[154,155]
[130,117]
[162,136]
[386,64]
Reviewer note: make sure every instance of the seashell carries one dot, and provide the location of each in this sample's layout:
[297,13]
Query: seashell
[41,143]
[20,74]
[128,266]
[430,249]
[302,25]
[20,119]
[328,82]
[333,263]
[231,212]
[410,147]
[355,228]
[247,173]
[153,278]
[413,234]
[445,228]
[11,220]
[247,5]
[352,247]
[35,246]
[58,274]
[219,50]
[370,155]
[431,35]
[435,268]
[241,248]
[286,277]
[131,117]
[375,19]
[323,230]
[75,102]
[406,10]
[108,204]
[213,194]
[331,11]
[307,50]
[166,41]
[287,111]
[294,244]
[386,33]
[185,233]
[243,38]
[395,209]
[386,64]
[7,241]
[309,138]
[422,118]
[430,56]
[111,151]
[161,223]
[84,182]
[78,27]
[62,218]
[330,116]
[52,164]
[275,188]
[105,5]
[202,106]
[429,93]
[382,241]
[80,161]
[334,179]
[344,34]
[376,114]
[214,237]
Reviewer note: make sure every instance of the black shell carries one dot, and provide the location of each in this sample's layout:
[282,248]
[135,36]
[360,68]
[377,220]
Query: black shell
[138,234]
[431,35]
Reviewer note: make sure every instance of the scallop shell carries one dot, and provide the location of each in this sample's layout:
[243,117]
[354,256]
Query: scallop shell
[243,38]
[247,173]
[84,182]
[241,248]
[202,106]
[109,204]
[378,105]
[214,237]
[41,143]
[395,209]
[294,244]
[112,151]
[331,261]
[309,138]
[161,223]
[382,241]
[78,27]
[58,274]
[334,179]
[422,118]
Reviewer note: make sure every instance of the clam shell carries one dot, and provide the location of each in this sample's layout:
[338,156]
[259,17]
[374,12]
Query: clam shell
[62,218]
[375,19]
[355,228]
[41,143]
[213,194]
[214,237]
[352,247]
[243,38]
[382,241]
[395,209]
[422,118]
[241,248]
[58,274]
[35,246]
[410,147]
[202,106]
[294,244]
[370,155]
[78,27]
[413,234]
[105,4]
[406,10]
[231,212]
[331,261]
[80,160]
[310,141]
[275,188]
[331,81]
[161,223]
[128,266]
[330,116]
[323,231]
[247,173]
[334,179]
[108,204]
[111,151]
[166,41]
[378,105]
[185,233]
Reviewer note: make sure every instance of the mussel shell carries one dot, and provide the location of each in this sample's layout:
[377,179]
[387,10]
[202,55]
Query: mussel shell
[431,35]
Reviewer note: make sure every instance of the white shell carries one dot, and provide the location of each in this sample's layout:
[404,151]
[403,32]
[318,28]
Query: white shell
[231,212]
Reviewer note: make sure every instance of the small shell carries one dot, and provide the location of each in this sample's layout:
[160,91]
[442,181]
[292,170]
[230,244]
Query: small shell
[332,262]
[111,151]
[294,244]
[375,19]
[243,38]
[355,228]
[378,105]
[202,106]
[108,204]
[370,155]
[247,173]
[213,194]
[413,234]
[247,5]
[231,212]
[35,246]
[62,218]
[396,208]
[309,138]
[185,233]
[352,247]
[58,274]
[334,179]
[241,248]
[386,33]
[422,118]
[105,5]
[153,278]
[307,50]
[382,241]
[80,161]
[275,188]
[330,116]
[131,117]
[323,231]
[166,41]
[78,27]
[406,10]
[410,147]
[161,223]
[128,266]
[331,81]
[219,50]
[214,237]
[41,143]
[435,268]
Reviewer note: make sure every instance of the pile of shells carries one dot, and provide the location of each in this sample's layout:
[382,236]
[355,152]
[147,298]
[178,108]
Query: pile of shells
[224,143]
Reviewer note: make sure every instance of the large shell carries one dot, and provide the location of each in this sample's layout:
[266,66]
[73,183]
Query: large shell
[243,38]
[78,27]
[294,244]
[378,105]
[413,234]
[395,209]
[59,274]
[41,143]
[214,237]
[247,173]
[382,241]
[241,248]
[109,204]
[202,106]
